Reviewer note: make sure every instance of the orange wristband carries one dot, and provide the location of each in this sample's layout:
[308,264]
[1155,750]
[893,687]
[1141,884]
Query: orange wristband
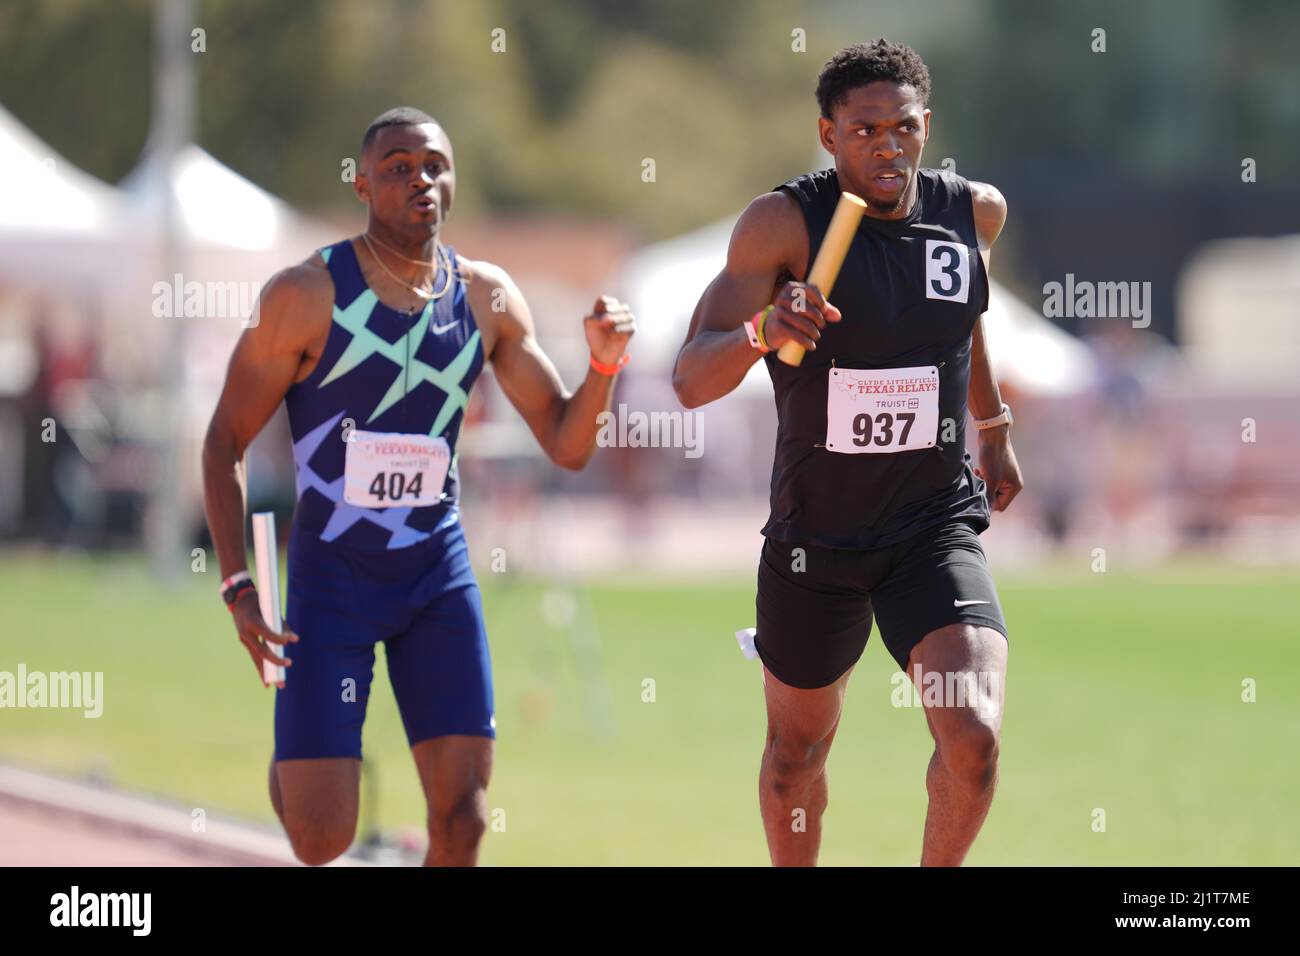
[605,369]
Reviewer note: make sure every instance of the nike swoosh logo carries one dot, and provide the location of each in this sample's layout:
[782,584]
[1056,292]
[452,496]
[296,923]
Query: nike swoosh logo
[964,603]
[439,329]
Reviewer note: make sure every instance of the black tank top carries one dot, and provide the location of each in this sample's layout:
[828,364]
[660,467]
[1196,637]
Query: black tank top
[901,293]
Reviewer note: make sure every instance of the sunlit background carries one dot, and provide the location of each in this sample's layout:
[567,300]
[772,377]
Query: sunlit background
[1150,571]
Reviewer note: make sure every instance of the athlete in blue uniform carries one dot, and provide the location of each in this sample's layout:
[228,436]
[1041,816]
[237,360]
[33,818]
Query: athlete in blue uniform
[374,344]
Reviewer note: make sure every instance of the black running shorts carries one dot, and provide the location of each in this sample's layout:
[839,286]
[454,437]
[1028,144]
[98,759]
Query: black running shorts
[815,604]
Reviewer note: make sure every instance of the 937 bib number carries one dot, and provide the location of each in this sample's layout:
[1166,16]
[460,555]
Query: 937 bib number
[391,470]
[883,426]
[885,410]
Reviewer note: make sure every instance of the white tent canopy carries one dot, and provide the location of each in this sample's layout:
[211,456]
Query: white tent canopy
[216,206]
[229,229]
[664,282]
[102,250]
[41,192]
[63,230]
[59,226]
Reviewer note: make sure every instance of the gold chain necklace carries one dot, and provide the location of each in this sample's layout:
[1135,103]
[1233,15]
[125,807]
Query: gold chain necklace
[398,252]
[429,294]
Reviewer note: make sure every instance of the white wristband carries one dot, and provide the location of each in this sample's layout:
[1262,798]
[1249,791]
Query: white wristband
[234,579]
[1002,418]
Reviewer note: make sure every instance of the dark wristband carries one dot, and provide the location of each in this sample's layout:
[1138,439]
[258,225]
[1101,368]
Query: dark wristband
[231,594]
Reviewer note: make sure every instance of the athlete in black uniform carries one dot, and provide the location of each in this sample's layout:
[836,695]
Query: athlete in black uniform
[875,504]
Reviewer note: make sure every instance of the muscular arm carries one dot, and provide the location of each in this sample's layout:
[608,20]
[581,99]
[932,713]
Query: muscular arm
[997,462]
[263,366]
[565,424]
[770,240]
[990,215]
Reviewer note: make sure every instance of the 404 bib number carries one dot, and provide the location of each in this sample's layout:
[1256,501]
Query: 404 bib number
[391,469]
[885,410]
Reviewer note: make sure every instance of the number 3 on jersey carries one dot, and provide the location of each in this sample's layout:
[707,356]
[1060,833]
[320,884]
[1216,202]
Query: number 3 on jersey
[947,270]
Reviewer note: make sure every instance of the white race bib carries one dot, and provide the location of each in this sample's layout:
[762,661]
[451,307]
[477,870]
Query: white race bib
[393,470]
[884,410]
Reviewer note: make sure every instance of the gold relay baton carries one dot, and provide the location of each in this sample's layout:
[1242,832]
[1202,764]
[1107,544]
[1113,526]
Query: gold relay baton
[826,269]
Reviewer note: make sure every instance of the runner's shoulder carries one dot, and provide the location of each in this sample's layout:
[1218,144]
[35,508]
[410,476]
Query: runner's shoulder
[485,274]
[488,288]
[295,295]
[770,230]
[775,209]
[990,209]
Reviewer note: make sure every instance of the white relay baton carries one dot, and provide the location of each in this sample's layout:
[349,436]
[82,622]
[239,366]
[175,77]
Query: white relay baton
[267,557]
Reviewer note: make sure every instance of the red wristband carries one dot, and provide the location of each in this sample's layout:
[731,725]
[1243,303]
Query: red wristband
[606,369]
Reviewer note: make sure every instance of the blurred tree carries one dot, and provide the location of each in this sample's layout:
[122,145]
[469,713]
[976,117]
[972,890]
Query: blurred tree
[78,73]
[584,90]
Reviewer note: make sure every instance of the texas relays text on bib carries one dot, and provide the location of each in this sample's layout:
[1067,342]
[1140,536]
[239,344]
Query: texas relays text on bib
[875,411]
[390,470]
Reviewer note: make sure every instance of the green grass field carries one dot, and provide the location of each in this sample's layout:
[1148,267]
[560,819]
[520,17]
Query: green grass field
[1124,693]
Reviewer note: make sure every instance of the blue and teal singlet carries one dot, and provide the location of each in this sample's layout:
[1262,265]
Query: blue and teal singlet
[384,371]
[401,576]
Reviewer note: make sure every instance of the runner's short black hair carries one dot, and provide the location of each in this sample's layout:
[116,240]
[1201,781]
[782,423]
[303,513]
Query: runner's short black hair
[864,63]
[397,116]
